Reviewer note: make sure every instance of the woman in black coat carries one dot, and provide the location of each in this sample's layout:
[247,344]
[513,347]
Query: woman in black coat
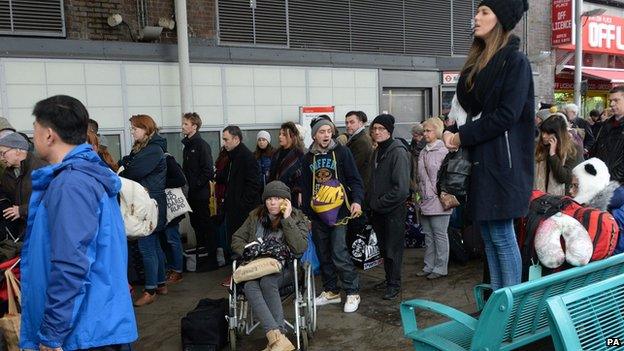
[286,163]
[496,90]
[146,165]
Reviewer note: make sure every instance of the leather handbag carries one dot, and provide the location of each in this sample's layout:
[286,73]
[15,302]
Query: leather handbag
[454,178]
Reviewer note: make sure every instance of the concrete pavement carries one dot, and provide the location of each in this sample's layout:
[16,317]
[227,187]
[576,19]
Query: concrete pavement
[375,326]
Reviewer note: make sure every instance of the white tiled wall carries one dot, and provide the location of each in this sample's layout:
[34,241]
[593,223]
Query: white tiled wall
[221,94]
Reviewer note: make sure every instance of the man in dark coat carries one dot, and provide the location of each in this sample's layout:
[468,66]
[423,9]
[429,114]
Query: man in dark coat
[387,192]
[242,193]
[198,170]
[359,142]
[609,146]
[16,181]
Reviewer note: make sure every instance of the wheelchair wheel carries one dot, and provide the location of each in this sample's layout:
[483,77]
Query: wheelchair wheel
[304,339]
[232,339]
[310,310]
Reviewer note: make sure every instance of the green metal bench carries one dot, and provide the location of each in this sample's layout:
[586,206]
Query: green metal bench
[512,317]
[590,318]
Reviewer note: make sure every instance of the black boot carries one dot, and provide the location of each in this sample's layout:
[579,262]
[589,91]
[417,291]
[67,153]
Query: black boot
[392,292]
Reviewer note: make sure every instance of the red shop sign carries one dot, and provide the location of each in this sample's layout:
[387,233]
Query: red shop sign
[562,20]
[602,35]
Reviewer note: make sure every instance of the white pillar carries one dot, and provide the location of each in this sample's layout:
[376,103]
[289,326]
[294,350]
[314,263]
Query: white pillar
[183,56]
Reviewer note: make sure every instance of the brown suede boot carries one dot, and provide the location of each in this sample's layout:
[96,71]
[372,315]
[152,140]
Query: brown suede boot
[272,337]
[145,299]
[282,344]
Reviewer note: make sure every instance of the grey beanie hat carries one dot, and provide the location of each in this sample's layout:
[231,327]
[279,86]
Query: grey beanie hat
[319,123]
[276,189]
[14,141]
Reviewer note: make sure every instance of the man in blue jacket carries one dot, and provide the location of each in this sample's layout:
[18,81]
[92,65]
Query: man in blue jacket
[73,272]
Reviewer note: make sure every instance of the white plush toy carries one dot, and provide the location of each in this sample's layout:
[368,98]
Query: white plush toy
[579,247]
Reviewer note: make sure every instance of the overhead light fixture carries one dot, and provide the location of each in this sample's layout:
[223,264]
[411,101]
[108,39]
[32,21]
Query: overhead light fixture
[150,33]
[167,23]
[595,12]
[114,20]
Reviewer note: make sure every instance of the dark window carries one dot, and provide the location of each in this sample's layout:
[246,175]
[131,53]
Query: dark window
[34,18]
[414,27]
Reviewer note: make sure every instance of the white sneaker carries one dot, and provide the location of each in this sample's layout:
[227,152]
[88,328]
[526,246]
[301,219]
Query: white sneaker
[327,297]
[352,304]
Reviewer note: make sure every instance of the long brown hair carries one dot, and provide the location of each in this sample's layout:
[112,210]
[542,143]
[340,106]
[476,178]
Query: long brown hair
[146,123]
[482,51]
[102,151]
[292,132]
[267,151]
[555,124]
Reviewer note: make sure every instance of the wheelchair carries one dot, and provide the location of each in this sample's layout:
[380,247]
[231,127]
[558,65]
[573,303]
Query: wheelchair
[302,292]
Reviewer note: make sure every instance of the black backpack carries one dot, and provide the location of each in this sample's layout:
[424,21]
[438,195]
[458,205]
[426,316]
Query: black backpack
[205,328]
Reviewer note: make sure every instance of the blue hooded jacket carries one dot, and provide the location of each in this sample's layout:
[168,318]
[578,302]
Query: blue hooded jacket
[74,261]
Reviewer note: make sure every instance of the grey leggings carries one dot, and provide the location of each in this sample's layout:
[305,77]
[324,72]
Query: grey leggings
[265,301]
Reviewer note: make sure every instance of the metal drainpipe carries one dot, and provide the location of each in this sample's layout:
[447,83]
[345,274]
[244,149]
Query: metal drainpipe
[183,56]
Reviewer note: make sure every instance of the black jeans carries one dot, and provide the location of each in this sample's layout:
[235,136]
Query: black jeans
[204,235]
[390,230]
[331,246]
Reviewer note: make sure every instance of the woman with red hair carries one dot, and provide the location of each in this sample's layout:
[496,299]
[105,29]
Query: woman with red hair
[146,165]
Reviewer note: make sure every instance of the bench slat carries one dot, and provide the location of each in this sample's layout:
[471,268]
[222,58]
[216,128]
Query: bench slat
[586,317]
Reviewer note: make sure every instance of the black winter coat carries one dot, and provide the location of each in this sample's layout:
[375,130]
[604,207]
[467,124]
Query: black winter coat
[609,147]
[501,141]
[390,179]
[148,167]
[197,166]
[286,167]
[243,183]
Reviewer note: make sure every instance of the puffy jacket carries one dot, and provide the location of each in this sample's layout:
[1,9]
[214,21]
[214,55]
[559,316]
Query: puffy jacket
[148,167]
[264,163]
[429,162]
[74,260]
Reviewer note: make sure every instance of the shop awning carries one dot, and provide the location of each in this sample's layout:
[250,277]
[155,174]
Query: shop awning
[609,74]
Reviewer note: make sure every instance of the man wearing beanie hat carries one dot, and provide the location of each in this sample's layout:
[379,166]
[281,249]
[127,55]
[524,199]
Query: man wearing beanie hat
[331,166]
[16,180]
[287,228]
[386,195]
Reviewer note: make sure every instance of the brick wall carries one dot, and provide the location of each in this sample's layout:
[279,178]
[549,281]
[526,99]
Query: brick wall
[86,19]
[539,41]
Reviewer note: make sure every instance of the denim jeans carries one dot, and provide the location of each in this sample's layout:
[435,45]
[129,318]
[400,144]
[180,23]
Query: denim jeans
[503,254]
[334,257]
[265,300]
[153,260]
[174,257]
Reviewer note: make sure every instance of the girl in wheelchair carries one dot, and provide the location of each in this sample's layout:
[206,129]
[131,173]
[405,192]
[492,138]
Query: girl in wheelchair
[284,228]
